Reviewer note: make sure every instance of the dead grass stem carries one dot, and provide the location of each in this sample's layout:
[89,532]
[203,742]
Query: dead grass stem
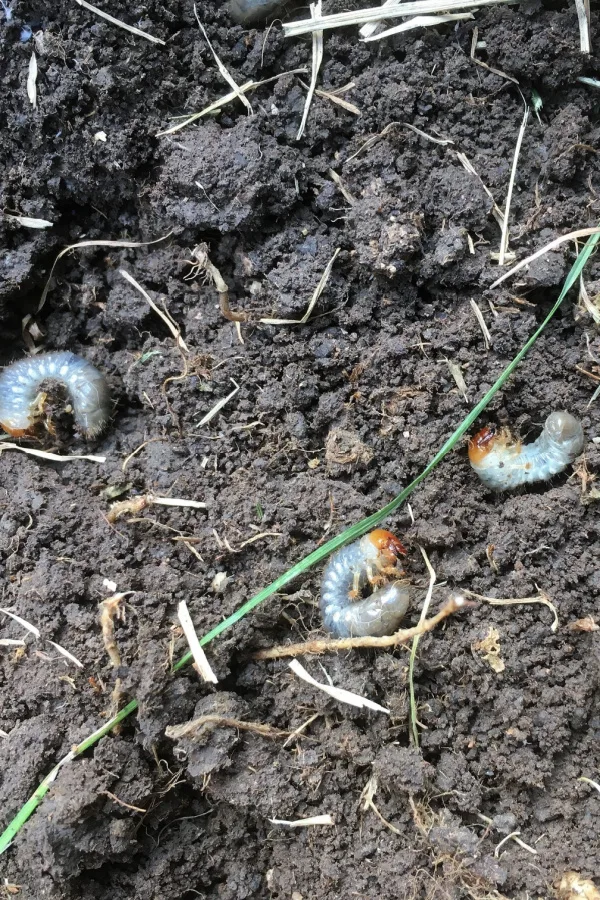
[542,598]
[317,59]
[223,101]
[191,729]
[119,23]
[165,316]
[222,68]
[553,245]
[413,650]
[509,193]
[82,244]
[333,645]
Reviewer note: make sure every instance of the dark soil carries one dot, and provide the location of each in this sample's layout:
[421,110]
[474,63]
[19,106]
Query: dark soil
[331,420]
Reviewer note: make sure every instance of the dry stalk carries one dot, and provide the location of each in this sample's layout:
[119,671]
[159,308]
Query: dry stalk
[417,22]
[113,21]
[487,338]
[110,609]
[203,265]
[222,69]
[509,193]
[136,504]
[83,244]
[122,802]
[317,59]
[191,729]
[553,245]
[524,601]
[44,454]
[165,316]
[452,605]
[485,65]
[583,16]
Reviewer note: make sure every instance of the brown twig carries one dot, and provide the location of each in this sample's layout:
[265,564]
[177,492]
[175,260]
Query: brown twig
[110,609]
[202,264]
[452,605]
[122,802]
[189,729]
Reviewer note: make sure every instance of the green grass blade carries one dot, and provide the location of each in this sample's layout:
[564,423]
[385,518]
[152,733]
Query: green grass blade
[36,798]
[316,556]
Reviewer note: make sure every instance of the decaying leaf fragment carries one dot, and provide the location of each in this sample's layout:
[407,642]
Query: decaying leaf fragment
[489,650]
[573,887]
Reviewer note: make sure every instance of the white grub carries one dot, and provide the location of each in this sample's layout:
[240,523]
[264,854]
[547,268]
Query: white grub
[110,585]
[202,663]
[304,823]
[100,136]
[340,694]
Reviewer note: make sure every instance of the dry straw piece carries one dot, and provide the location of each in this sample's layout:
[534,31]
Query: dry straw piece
[418,22]
[202,664]
[165,316]
[32,81]
[337,693]
[304,823]
[131,28]
[52,457]
[28,221]
[376,14]
[317,59]
[511,184]
[329,645]
[222,69]
[80,246]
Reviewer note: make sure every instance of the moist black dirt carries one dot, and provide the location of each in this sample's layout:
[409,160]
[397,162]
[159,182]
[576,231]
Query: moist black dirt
[331,420]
